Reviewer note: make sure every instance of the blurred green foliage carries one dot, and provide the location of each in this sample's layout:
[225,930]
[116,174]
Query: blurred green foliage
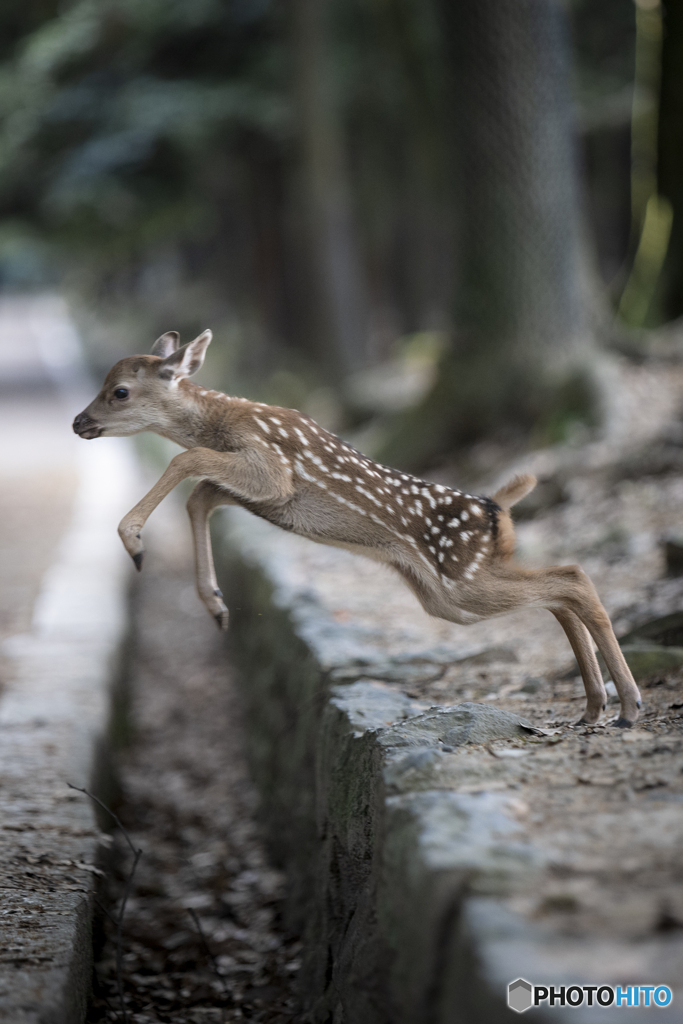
[155,147]
[118,117]
[153,162]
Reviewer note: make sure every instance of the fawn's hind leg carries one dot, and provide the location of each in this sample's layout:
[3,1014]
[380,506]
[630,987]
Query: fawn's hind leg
[561,588]
[568,588]
[582,646]
[596,619]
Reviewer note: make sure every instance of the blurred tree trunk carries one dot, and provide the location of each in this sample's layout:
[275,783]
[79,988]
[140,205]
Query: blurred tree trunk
[519,312]
[335,293]
[670,162]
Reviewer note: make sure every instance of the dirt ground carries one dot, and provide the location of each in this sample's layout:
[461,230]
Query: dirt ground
[187,802]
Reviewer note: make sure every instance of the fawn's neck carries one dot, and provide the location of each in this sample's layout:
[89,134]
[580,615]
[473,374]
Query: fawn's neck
[199,418]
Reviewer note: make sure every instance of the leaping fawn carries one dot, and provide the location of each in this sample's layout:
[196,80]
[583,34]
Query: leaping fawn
[452,549]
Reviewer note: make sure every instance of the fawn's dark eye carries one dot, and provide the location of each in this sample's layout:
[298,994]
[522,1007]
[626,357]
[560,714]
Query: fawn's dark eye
[121,393]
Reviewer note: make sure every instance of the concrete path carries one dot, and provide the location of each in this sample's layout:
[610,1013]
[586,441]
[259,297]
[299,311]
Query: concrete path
[63,582]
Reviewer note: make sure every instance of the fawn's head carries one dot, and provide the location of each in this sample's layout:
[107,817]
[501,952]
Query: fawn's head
[141,392]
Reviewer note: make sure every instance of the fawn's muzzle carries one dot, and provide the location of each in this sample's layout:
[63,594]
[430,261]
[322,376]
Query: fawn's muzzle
[86,427]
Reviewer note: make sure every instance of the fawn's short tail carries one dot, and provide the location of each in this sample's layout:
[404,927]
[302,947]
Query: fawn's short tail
[514,490]
[506,496]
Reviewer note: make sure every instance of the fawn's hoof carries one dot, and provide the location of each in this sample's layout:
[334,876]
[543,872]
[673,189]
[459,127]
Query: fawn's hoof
[222,619]
[623,723]
[591,715]
[132,542]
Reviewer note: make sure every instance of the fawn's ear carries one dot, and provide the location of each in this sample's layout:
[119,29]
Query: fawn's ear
[186,360]
[166,344]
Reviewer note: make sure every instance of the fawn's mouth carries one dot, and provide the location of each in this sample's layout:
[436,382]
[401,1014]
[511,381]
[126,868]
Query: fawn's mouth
[86,428]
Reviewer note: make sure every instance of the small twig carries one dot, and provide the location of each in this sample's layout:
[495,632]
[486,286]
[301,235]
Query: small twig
[104,910]
[119,931]
[109,812]
[118,921]
[212,958]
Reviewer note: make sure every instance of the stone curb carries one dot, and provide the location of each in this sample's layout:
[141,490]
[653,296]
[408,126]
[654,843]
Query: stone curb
[54,721]
[398,889]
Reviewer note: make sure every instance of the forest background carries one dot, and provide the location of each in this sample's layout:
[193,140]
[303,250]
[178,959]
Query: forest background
[423,222]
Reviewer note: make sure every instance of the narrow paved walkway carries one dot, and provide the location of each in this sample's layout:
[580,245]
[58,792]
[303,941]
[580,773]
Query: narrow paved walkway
[38,459]
[63,582]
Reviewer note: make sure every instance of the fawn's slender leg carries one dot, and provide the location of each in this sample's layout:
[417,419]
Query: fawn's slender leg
[582,646]
[600,628]
[563,588]
[578,594]
[195,462]
[204,499]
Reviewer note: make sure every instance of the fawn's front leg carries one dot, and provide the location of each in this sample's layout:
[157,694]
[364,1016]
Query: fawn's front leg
[249,474]
[204,499]
[195,462]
